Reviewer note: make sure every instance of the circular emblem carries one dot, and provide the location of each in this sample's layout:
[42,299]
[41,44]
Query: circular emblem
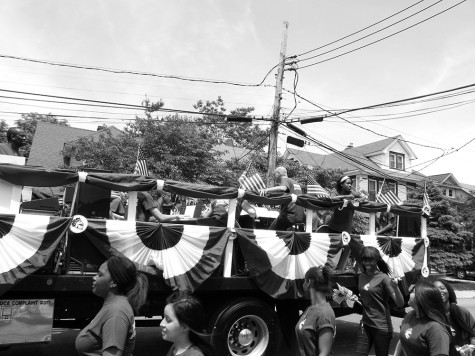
[425,271]
[345,237]
[78,224]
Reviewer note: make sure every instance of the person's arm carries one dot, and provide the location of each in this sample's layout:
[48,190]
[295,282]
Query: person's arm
[160,217]
[325,341]
[278,188]
[395,294]
[249,209]
[387,228]
[398,350]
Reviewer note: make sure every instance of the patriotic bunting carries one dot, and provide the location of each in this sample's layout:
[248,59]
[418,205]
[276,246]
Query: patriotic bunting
[278,260]
[27,242]
[187,254]
[404,255]
[426,209]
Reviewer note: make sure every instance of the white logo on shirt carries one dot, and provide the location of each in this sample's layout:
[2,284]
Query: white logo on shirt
[366,287]
[408,333]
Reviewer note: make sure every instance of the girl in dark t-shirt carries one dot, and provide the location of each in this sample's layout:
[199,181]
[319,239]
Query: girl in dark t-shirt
[376,289]
[316,328]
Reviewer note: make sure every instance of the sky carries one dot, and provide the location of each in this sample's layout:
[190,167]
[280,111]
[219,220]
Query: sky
[419,48]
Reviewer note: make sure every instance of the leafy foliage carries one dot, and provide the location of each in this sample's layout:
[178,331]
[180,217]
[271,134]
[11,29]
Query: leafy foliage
[447,230]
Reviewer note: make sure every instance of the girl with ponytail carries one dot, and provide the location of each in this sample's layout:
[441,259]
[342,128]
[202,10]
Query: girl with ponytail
[124,290]
[316,328]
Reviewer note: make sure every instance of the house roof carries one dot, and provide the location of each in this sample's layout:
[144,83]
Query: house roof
[49,139]
[447,179]
[48,143]
[357,159]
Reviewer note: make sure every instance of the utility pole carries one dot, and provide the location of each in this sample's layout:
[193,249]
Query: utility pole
[274,130]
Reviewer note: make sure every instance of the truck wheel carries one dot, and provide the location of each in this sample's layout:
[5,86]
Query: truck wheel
[461,274]
[247,327]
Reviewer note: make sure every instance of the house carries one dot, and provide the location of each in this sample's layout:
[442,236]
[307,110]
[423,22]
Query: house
[452,189]
[51,147]
[387,161]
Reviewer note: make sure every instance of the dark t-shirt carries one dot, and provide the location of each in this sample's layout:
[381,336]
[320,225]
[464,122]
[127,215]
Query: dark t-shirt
[313,320]
[5,149]
[144,204]
[424,337]
[113,326]
[460,320]
[192,351]
[292,212]
[375,292]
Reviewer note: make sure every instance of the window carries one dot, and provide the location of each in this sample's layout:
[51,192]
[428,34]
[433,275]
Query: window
[451,193]
[372,190]
[396,161]
[374,187]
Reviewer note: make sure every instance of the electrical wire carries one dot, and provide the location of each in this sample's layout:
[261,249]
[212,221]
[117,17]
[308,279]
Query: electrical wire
[371,34]
[381,39]
[148,74]
[354,33]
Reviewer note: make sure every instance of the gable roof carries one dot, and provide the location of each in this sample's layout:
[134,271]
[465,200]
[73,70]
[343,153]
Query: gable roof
[446,178]
[49,139]
[48,143]
[357,159]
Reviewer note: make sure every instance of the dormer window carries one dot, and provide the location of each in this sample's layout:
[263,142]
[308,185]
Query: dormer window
[396,161]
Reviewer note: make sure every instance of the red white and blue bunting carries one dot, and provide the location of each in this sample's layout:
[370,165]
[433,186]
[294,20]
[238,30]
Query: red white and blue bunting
[186,254]
[27,242]
[278,260]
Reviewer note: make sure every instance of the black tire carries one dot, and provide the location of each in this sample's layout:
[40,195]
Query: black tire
[460,273]
[245,327]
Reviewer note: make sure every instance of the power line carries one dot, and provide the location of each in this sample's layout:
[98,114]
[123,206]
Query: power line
[108,104]
[148,74]
[371,34]
[381,39]
[354,33]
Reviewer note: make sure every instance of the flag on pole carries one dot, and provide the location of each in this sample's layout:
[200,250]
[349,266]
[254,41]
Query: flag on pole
[141,164]
[387,196]
[251,180]
[426,209]
[316,189]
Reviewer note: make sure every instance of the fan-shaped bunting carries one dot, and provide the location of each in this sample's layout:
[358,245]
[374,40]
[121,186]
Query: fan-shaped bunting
[27,242]
[187,254]
[278,260]
[402,254]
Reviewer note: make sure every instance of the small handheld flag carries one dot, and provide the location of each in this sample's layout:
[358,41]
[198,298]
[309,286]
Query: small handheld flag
[316,189]
[141,164]
[251,180]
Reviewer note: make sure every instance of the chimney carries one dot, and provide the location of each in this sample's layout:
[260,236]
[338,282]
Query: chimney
[350,145]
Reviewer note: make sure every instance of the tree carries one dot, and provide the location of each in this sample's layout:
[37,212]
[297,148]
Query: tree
[447,234]
[117,154]
[244,134]
[28,124]
[3,131]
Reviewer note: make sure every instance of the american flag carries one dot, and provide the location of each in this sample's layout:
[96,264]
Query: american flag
[251,180]
[316,189]
[387,196]
[426,209]
[141,164]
